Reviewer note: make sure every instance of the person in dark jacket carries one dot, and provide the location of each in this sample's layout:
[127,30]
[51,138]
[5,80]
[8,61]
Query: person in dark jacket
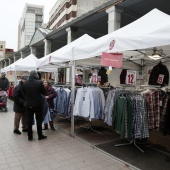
[33,89]
[50,95]
[4,85]
[19,107]
[4,82]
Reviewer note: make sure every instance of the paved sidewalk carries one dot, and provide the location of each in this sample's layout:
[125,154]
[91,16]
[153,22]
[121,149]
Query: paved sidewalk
[59,151]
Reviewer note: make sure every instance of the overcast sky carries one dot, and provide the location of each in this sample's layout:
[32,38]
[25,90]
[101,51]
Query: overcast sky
[10,13]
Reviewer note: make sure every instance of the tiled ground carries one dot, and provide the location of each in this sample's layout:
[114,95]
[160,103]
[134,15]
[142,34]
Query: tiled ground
[59,151]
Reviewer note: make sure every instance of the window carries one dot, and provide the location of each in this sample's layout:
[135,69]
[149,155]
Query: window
[38,18]
[28,37]
[39,11]
[1,46]
[30,11]
[38,25]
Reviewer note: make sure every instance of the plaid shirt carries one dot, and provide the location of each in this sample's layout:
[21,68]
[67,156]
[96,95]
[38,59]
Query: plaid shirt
[156,103]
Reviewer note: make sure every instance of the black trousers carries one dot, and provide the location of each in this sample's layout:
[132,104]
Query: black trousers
[38,115]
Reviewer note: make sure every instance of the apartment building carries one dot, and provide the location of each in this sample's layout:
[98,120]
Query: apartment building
[65,11]
[2,49]
[32,18]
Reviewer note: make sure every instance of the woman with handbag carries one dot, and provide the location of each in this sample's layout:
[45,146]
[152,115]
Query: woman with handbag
[50,95]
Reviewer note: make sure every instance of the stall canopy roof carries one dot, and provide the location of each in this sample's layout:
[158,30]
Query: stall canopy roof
[30,63]
[27,64]
[11,67]
[151,30]
[63,54]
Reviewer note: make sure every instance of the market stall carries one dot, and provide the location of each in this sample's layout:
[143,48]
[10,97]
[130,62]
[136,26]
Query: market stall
[138,40]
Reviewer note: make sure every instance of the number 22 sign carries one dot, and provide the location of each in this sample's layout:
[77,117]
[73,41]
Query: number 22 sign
[131,77]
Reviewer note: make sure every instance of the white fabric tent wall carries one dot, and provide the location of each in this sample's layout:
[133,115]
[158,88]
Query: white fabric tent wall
[151,30]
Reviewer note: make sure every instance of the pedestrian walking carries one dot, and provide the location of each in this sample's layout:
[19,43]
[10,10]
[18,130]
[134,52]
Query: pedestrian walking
[19,107]
[33,89]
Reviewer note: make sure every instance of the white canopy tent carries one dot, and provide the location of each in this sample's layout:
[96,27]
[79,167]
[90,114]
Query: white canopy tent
[30,63]
[27,64]
[151,30]
[11,67]
[63,54]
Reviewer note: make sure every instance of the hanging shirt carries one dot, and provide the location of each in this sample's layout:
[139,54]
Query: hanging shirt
[61,101]
[84,103]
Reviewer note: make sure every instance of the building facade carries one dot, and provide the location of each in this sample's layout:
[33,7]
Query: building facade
[32,18]
[2,50]
[65,11]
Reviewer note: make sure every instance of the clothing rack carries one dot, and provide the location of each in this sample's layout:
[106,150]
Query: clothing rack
[89,84]
[89,127]
[65,86]
[149,86]
[126,85]
[131,142]
[62,86]
[62,83]
[95,85]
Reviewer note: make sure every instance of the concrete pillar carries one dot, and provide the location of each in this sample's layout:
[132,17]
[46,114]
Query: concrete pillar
[47,47]
[14,58]
[22,54]
[71,36]
[114,18]
[68,35]
[9,61]
[33,50]
[5,63]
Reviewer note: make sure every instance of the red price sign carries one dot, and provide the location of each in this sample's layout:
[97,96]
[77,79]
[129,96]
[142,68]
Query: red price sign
[131,77]
[160,79]
[10,72]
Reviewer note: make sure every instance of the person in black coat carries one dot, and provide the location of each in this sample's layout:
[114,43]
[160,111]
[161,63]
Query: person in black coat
[19,107]
[33,89]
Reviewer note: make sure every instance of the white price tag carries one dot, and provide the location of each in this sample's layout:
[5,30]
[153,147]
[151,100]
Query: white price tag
[131,77]
[160,103]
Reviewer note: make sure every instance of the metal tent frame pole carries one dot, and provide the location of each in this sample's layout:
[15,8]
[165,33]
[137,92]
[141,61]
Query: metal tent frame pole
[72,95]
